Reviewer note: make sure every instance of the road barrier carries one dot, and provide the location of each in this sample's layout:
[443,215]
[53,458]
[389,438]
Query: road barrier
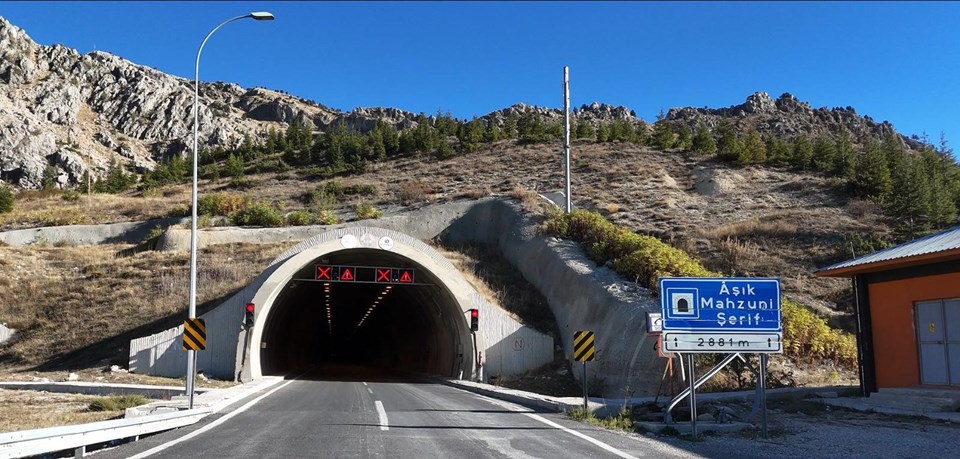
[78,437]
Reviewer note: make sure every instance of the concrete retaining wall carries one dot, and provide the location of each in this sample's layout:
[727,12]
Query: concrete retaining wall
[581,295]
[115,233]
[5,333]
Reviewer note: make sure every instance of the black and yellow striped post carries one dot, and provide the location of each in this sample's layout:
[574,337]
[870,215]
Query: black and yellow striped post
[194,335]
[584,351]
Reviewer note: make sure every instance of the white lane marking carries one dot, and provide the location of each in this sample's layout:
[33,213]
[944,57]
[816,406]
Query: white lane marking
[213,424]
[526,412]
[364,384]
[370,390]
[384,425]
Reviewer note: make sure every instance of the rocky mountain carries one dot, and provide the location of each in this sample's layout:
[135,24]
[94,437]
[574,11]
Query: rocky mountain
[65,114]
[787,117]
[77,112]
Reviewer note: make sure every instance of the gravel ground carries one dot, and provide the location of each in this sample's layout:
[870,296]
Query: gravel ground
[810,429]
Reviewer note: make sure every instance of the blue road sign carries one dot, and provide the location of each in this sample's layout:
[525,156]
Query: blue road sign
[729,304]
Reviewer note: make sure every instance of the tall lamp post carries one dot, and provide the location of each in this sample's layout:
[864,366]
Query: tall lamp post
[192,312]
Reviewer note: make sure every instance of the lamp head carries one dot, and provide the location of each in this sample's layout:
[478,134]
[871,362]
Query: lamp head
[262,16]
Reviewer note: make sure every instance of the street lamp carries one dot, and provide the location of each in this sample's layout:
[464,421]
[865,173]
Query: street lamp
[192,312]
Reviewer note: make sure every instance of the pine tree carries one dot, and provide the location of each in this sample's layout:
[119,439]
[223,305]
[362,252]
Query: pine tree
[49,180]
[531,128]
[937,171]
[872,176]
[246,150]
[910,205]
[234,167]
[752,150]
[702,142]
[802,153]
[824,154]
[727,141]
[272,144]
[510,126]
[603,132]
[470,135]
[6,199]
[663,136]
[641,136]
[684,138]
[843,161]
[778,152]
[583,130]
[493,133]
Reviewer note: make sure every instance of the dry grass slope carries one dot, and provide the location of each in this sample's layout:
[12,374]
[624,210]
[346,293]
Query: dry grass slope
[62,299]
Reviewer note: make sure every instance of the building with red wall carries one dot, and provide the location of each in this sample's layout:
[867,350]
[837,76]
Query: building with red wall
[908,312]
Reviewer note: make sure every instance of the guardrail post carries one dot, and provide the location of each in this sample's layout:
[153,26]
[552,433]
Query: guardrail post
[80,451]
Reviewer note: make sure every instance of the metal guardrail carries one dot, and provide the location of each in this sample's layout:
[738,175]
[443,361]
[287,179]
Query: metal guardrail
[78,437]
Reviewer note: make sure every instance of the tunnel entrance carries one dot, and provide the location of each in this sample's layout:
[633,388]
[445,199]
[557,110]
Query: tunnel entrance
[413,326]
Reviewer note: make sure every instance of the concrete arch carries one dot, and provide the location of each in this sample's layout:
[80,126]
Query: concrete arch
[304,255]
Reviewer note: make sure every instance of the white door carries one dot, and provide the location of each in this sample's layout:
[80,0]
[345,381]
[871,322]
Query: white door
[938,336]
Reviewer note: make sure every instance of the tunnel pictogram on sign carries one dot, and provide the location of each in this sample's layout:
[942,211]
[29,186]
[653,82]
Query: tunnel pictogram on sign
[583,346]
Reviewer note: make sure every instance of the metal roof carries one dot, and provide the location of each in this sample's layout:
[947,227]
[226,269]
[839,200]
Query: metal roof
[945,240]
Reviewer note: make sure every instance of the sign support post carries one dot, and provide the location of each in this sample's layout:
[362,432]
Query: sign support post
[732,315]
[693,396]
[763,393]
[583,351]
[584,385]
[192,388]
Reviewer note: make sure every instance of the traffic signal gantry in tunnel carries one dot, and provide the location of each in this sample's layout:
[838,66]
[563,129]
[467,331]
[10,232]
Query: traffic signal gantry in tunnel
[367,308]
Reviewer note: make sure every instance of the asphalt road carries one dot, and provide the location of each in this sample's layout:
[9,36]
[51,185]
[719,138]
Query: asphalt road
[356,412]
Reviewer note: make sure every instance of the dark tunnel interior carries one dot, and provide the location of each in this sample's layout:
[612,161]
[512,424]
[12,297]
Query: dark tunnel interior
[396,326]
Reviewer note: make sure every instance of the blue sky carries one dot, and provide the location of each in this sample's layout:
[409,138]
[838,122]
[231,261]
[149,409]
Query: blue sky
[896,61]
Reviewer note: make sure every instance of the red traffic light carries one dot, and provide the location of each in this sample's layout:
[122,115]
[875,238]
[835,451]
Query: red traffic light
[474,319]
[249,307]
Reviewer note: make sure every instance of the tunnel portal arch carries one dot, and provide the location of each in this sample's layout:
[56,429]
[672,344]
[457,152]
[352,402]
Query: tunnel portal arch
[438,305]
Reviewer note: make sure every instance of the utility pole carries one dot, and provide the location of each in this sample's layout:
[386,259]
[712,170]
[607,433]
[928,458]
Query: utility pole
[566,137]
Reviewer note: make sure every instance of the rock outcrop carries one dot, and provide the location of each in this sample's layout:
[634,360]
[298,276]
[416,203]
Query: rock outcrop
[787,117]
[64,114]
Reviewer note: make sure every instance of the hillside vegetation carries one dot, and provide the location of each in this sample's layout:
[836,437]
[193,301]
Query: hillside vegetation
[695,199]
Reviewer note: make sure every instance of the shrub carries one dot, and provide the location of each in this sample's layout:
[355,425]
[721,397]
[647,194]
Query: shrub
[117,402]
[362,189]
[413,192]
[807,337]
[154,234]
[179,210]
[365,211]
[221,203]
[257,214]
[298,218]
[70,195]
[6,200]
[326,217]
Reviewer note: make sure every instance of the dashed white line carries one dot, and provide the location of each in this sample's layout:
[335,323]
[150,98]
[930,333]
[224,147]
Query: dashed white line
[384,425]
[364,384]
[370,390]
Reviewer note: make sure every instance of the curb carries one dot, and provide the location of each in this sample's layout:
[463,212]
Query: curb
[519,397]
